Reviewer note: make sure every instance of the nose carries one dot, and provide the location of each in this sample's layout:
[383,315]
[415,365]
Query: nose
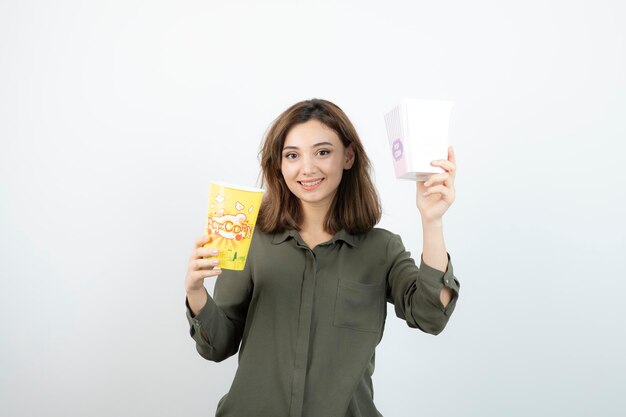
[308,166]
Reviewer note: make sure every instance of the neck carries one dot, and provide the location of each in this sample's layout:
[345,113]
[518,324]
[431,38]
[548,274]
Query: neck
[314,216]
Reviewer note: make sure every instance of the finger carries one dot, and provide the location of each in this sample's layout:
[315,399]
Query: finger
[449,164]
[438,189]
[203,240]
[437,179]
[452,159]
[205,273]
[421,187]
[442,163]
[451,155]
[198,264]
[205,252]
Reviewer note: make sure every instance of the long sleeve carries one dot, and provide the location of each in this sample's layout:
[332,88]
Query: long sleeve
[415,291]
[218,327]
[306,322]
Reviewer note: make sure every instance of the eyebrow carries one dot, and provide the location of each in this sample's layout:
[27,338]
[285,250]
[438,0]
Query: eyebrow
[315,146]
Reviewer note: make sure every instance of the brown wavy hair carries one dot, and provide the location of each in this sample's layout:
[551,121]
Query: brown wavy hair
[356,206]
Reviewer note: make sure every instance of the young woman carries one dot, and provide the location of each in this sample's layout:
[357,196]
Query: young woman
[309,308]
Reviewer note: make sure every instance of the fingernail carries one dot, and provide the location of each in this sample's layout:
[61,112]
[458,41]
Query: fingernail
[216,261]
[215,252]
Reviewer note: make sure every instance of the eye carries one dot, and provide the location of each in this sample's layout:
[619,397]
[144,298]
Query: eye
[290,155]
[324,152]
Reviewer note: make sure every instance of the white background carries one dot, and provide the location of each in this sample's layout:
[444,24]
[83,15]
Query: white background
[115,115]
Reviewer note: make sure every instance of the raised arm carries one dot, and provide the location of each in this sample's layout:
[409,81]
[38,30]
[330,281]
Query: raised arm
[202,265]
[216,323]
[416,292]
[433,199]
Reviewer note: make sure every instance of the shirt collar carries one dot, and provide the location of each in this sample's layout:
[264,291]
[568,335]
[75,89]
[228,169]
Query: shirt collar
[280,237]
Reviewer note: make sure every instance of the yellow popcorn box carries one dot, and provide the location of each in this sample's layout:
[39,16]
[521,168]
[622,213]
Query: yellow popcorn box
[232,215]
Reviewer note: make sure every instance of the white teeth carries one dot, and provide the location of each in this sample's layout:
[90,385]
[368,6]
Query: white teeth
[310,184]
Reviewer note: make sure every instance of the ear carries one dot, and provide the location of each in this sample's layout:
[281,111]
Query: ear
[349,157]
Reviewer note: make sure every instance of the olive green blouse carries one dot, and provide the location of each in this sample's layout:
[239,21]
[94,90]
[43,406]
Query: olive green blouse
[306,321]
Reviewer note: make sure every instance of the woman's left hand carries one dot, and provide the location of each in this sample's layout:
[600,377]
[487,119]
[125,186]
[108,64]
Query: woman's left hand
[436,195]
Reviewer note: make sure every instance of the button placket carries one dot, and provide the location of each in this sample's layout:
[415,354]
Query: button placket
[303,334]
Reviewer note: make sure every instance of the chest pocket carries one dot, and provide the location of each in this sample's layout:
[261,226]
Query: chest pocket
[359,306]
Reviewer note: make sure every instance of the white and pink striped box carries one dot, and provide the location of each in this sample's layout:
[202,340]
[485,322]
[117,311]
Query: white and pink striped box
[418,132]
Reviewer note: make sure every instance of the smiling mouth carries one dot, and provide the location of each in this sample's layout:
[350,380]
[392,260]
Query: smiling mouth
[310,184]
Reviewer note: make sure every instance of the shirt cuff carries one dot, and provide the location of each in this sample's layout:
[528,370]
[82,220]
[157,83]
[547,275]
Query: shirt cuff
[439,279]
[203,316]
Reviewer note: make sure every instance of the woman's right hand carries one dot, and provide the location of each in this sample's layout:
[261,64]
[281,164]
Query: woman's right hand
[202,264]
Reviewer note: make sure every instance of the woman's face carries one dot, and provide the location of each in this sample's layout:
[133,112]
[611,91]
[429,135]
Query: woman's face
[313,161]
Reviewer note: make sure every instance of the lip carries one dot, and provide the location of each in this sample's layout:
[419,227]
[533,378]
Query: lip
[317,182]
